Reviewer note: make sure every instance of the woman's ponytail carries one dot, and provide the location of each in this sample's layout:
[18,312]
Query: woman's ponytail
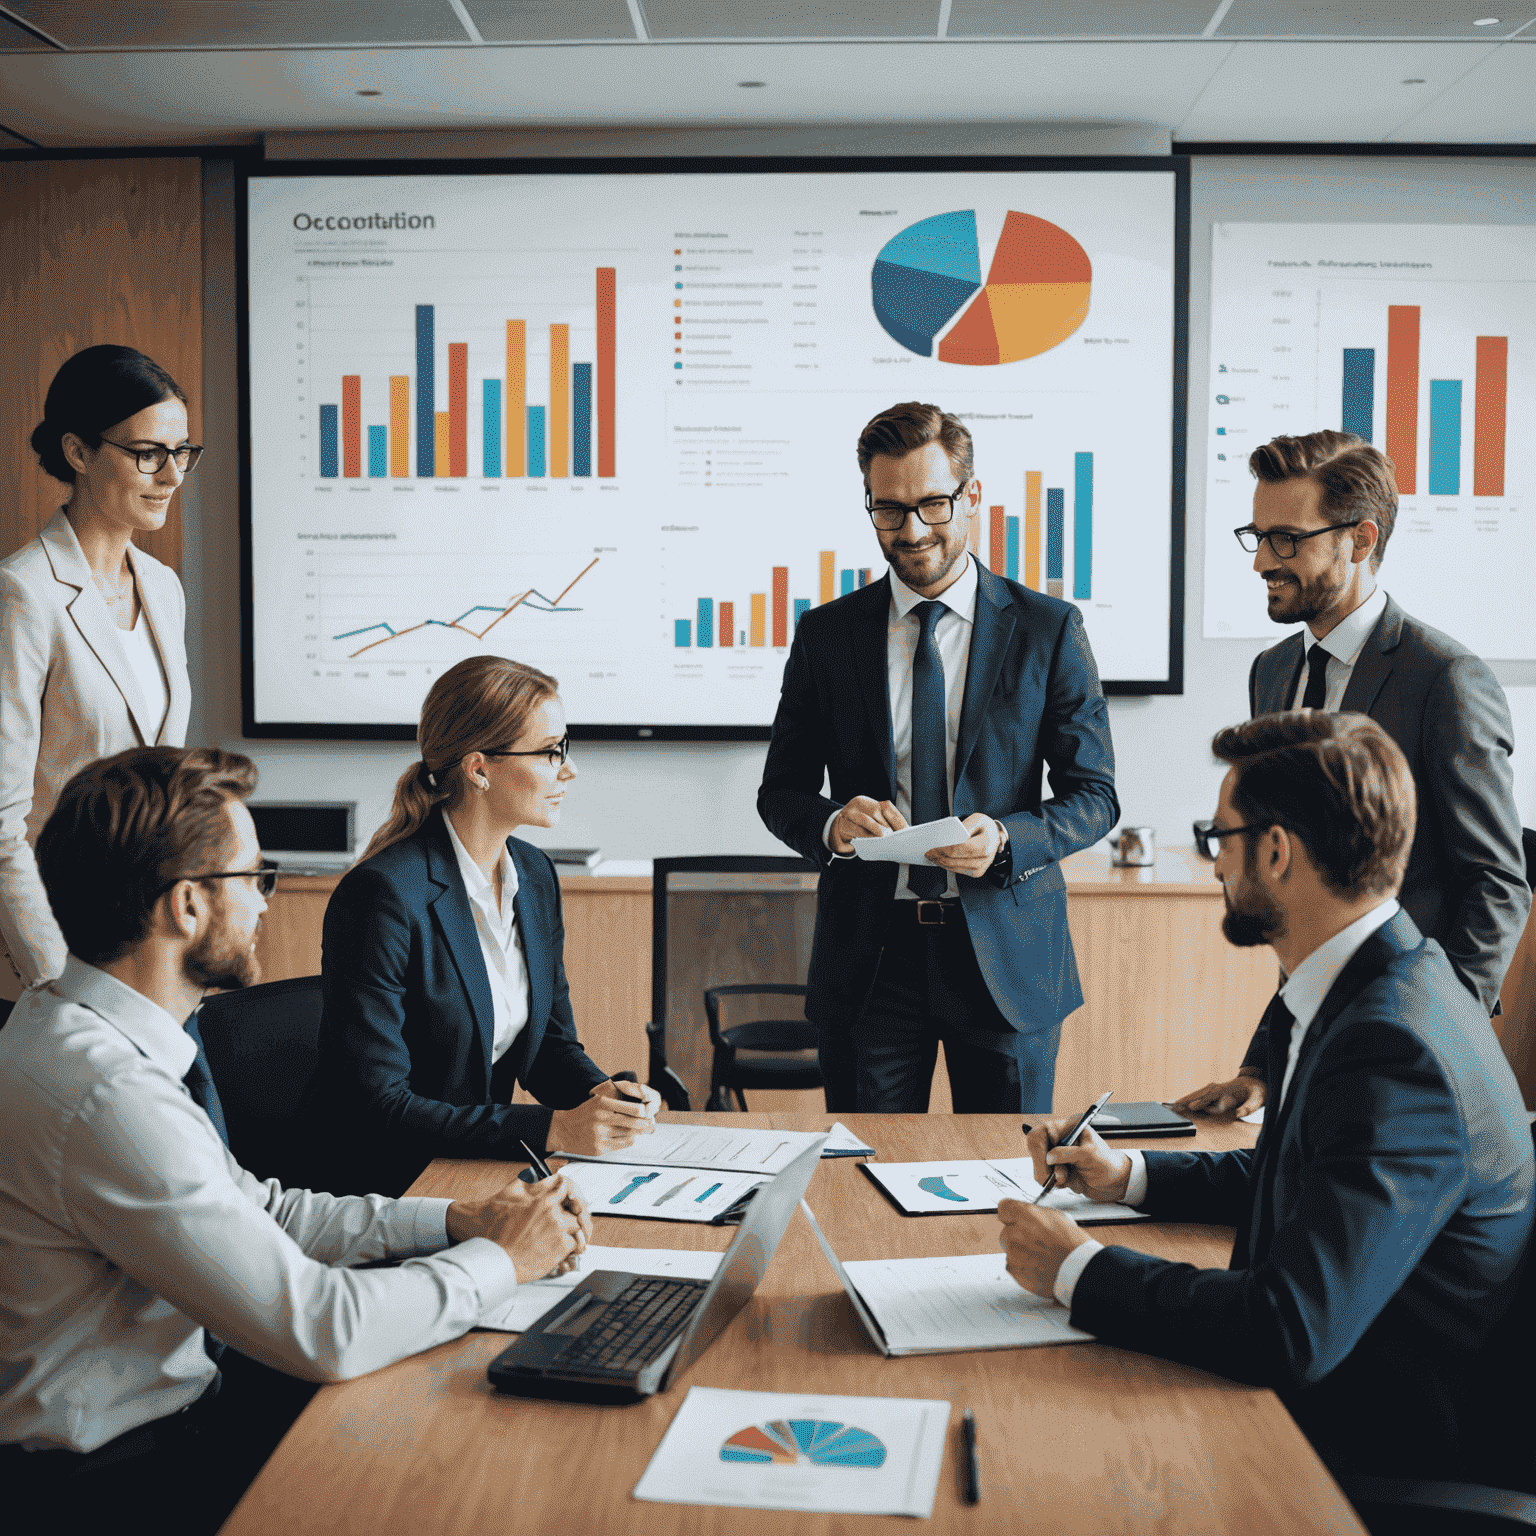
[415,795]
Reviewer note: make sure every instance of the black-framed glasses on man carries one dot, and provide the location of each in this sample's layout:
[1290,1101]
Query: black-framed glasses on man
[1208,836]
[152,460]
[1283,543]
[933,511]
[265,876]
[556,754]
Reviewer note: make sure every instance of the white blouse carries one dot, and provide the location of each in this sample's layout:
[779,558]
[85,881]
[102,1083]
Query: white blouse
[144,658]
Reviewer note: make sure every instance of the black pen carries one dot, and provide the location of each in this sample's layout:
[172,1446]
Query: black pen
[1070,1140]
[972,1469]
[536,1162]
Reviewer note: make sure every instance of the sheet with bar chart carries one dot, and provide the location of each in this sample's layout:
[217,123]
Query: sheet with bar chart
[605,423]
[1421,339]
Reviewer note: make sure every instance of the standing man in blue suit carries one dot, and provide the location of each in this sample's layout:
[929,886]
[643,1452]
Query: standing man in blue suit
[940,689]
[1382,1216]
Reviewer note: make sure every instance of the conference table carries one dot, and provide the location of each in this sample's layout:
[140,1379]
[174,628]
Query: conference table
[1073,1438]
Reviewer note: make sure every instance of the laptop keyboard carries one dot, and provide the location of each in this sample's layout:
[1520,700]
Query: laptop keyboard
[636,1326]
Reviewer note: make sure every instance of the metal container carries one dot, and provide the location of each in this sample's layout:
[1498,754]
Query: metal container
[1134,846]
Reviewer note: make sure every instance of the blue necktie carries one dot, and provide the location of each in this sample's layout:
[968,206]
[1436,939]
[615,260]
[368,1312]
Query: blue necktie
[930,792]
[200,1084]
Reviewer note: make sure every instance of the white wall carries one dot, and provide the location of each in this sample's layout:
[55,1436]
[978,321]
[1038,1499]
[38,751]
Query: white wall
[642,800]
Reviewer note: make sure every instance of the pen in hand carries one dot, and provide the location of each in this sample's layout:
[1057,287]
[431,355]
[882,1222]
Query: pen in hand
[572,1261]
[1071,1139]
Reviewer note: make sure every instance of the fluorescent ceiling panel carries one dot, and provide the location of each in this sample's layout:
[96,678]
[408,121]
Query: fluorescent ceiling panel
[670,19]
[1434,19]
[551,21]
[1080,18]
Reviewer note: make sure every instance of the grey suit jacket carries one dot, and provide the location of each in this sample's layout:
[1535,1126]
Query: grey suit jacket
[68,695]
[1465,884]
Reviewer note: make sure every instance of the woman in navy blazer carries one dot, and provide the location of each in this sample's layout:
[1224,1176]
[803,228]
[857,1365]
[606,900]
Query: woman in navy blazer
[436,1002]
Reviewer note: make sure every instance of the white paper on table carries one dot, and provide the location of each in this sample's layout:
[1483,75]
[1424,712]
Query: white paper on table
[1256,1117]
[741,1150]
[927,1189]
[909,847]
[659,1193]
[969,1301]
[534,1298]
[841,1142]
[824,1454]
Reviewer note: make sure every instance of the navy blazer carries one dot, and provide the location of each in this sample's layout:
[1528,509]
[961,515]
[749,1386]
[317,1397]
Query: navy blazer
[1381,1221]
[407,1027]
[1465,882]
[1032,701]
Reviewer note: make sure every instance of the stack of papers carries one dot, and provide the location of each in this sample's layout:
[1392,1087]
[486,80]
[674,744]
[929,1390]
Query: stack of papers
[710,1146]
[910,846]
[934,1189]
[534,1298]
[821,1454]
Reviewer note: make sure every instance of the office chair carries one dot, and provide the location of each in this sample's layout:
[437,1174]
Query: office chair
[730,1073]
[721,921]
[5,1010]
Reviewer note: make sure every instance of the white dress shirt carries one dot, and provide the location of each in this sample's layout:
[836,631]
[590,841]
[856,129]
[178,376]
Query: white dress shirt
[952,636]
[144,658]
[501,943]
[1343,643]
[1303,993]
[126,1228]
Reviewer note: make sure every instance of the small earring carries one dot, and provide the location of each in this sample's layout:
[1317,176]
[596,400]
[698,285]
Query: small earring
[483,783]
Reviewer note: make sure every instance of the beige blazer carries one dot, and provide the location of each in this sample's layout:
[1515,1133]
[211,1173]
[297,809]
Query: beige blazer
[68,695]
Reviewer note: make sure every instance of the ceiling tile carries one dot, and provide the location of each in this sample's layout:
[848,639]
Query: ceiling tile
[1495,103]
[176,24]
[1323,93]
[670,19]
[1450,20]
[551,21]
[1080,18]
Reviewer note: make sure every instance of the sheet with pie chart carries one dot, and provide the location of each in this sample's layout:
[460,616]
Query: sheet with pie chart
[973,1186]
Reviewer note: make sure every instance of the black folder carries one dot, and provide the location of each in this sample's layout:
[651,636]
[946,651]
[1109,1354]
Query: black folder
[1140,1120]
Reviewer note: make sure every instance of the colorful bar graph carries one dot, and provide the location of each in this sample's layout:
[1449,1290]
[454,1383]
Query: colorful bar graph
[1491,397]
[997,542]
[1403,395]
[351,425]
[727,623]
[426,393]
[490,431]
[442,460]
[329,462]
[400,425]
[458,409]
[517,399]
[581,420]
[378,453]
[802,607]
[1032,529]
[607,324]
[758,630]
[828,574]
[1082,527]
[781,605]
[706,629]
[560,404]
[682,633]
[1358,406]
[535,442]
[1011,550]
[1445,437]
[847,583]
[1055,538]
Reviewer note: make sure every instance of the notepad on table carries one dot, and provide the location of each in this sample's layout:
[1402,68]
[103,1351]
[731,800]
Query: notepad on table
[723,1147]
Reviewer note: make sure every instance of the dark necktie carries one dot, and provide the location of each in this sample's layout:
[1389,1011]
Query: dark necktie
[200,1084]
[930,792]
[1317,679]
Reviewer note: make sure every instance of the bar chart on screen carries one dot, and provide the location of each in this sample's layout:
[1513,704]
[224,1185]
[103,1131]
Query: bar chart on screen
[1421,341]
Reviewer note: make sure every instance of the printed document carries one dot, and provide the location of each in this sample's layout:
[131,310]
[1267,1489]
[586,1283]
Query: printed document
[534,1298]
[931,1189]
[662,1193]
[909,847]
[711,1146]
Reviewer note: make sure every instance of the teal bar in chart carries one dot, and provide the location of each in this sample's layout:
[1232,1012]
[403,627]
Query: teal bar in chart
[536,446]
[1359,400]
[378,454]
[1055,532]
[330,464]
[802,607]
[1011,547]
[1082,529]
[706,621]
[1445,437]
[847,575]
[490,453]
[682,633]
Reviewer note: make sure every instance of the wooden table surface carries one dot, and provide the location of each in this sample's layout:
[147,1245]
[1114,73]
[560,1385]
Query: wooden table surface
[1078,1438]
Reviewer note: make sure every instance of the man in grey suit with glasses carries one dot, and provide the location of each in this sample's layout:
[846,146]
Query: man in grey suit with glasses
[1323,510]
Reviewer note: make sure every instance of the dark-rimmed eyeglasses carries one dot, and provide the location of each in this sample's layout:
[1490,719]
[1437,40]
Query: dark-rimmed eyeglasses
[1208,836]
[556,754]
[933,511]
[1283,544]
[152,460]
[265,876]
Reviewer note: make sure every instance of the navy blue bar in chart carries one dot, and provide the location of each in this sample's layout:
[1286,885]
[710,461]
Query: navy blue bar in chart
[330,465]
[1445,437]
[1055,535]
[1082,529]
[535,441]
[581,419]
[682,633]
[490,406]
[426,394]
[378,453]
[1359,391]
[706,621]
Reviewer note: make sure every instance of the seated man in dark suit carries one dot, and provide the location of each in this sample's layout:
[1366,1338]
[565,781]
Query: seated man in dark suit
[1382,1217]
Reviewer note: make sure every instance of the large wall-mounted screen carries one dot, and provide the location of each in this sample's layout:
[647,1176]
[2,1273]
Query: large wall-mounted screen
[603,419]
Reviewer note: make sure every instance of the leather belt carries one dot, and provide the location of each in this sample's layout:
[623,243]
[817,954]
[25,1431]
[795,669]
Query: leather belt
[928,914]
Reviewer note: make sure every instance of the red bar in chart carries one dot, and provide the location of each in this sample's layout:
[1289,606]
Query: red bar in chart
[727,623]
[458,409]
[1403,394]
[997,537]
[1488,429]
[351,425]
[607,323]
[781,605]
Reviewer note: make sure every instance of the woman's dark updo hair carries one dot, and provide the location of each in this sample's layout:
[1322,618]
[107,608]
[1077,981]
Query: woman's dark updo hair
[96,389]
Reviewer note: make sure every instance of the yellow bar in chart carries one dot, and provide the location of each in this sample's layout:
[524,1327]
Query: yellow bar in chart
[517,398]
[1032,529]
[828,574]
[560,402]
[758,634]
[440,445]
[399,425]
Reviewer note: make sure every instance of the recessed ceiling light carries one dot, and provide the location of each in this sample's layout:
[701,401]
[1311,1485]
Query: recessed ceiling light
[370,93]
[751,85]
[1487,21]
[1413,82]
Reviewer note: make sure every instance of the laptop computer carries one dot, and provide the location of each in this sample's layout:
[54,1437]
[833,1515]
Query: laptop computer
[618,1338]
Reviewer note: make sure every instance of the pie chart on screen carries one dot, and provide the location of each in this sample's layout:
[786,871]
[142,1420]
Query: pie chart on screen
[930,296]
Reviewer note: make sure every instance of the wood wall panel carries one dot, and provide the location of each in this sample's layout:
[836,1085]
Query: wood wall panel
[94,251]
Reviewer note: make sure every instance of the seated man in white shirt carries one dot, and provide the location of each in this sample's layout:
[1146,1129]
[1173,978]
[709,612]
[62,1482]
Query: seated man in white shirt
[1382,1217]
[126,1227]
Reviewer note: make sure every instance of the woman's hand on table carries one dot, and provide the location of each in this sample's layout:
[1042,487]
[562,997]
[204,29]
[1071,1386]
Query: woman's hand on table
[613,1117]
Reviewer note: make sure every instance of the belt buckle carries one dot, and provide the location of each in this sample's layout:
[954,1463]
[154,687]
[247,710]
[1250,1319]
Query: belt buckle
[936,920]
